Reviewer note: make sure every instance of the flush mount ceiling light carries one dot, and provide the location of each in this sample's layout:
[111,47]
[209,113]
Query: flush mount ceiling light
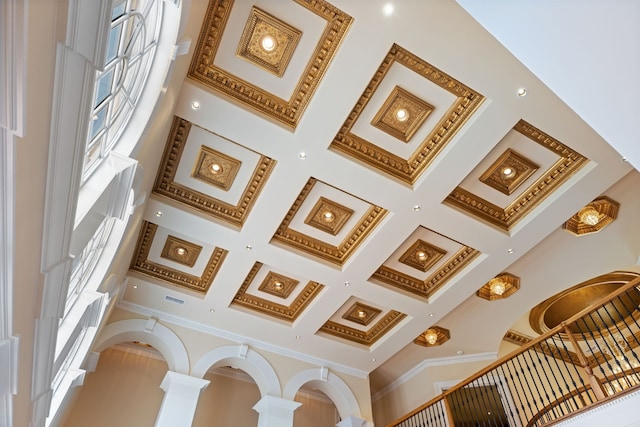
[432,337]
[508,172]
[402,114]
[593,217]
[502,286]
[268,43]
[181,251]
[215,168]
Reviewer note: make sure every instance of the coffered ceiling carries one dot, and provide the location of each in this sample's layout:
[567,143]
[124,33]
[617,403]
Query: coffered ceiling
[335,180]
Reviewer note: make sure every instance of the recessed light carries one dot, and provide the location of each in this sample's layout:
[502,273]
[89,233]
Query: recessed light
[624,159]
[509,251]
[181,251]
[373,359]
[248,247]
[362,314]
[302,155]
[158,214]
[135,286]
[416,208]
[212,310]
[195,105]
[459,352]
[508,172]
[347,283]
[298,337]
[431,314]
[268,43]
[421,255]
[328,216]
[387,9]
[522,92]
[402,114]
[215,168]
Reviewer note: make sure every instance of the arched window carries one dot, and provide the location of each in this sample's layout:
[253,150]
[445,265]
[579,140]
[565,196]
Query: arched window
[130,50]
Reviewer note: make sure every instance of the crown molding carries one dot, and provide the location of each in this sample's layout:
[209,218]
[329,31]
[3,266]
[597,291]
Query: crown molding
[240,339]
[439,361]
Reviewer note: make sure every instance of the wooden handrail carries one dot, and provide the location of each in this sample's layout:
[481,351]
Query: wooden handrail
[556,330]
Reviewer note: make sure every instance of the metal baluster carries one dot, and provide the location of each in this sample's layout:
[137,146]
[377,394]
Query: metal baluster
[501,367]
[535,383]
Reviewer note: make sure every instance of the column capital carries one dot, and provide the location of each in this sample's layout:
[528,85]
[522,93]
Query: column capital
[275,411]
[174,379]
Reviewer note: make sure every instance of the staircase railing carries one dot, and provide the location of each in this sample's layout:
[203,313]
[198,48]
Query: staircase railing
[590,358]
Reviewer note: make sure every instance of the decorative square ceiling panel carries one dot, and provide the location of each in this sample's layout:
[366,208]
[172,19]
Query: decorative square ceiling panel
[424,263]
[402,114]
[209,173]
[238,38]
[425,113]
[354,321]
[524,168]
[275,294]
[327,223]
[268,42]
[176,260]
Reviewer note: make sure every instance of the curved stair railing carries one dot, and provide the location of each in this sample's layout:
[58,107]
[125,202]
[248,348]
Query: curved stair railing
[589,359]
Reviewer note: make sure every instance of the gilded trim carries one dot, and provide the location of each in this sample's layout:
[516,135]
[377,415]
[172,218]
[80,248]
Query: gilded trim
[335,254]
[167,187]
[368,337]
[569,163]
[408,170]
[426,288]
[141,264]
[289,313]
[286,112]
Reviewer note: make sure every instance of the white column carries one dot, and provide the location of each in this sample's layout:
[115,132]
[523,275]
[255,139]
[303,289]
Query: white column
[275,411]
[181,393]
[352,422]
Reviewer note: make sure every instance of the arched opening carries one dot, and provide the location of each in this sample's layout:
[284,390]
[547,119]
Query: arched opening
[317,409]
[228,400]
[123,390]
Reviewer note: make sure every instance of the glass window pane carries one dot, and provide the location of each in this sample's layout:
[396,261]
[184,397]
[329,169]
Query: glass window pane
[98,121]
[118,10]
[103,88]
[114,43]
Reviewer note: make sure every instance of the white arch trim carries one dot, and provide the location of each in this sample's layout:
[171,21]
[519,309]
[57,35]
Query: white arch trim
[328,383]
[149,331]
[242,357]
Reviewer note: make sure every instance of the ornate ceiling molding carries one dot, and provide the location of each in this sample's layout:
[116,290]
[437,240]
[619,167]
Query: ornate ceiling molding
[568,163]
[426,288]
[368,337]
[289,312]
[287,112]
[337,254]
[141,264]
[408,170]
[166,186]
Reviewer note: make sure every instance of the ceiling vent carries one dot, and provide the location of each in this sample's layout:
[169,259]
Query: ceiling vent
[173,299]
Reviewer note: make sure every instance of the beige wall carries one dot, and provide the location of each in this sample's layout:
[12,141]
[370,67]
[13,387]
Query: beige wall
[124,391]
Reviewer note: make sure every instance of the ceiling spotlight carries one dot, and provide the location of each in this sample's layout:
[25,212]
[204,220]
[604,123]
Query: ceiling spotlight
[509,251]
[416,208]
[135,286]
[362,314]
[181,251]
[497,286]
[328,216]
[431,336]
[589,215]
[298,337]
[522,92]
[347,283]
[421,255]
[402,114]
[508,172]
[268,43]
[248,247]
[158,214]
[302,155]
[278,285]
[373,359]
[212,310]
[215,168]
[387,9]
[195,105]
[431,314]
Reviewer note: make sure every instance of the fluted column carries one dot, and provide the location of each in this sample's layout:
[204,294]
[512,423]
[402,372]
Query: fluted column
[275,411]
[181,393]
